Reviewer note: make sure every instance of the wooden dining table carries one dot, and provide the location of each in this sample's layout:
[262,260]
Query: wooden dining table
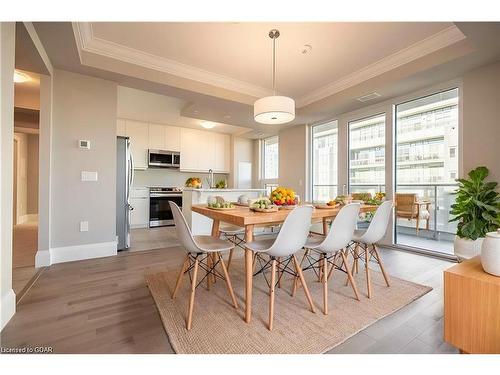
[244,217]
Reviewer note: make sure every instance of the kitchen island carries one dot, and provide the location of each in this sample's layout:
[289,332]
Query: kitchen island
[200,224]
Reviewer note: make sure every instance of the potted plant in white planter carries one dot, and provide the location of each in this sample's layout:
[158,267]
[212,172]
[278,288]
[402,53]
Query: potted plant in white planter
[477,210]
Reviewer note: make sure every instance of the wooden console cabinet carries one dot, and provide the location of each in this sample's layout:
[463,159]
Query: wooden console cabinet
[472,308]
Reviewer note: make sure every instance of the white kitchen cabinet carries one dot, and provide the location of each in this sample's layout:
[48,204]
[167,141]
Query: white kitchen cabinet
[172,138]
[157,137]
[189,149]
[203,150]
[121,129]
[138,132]
[139,200]
[206,154]
[221,153]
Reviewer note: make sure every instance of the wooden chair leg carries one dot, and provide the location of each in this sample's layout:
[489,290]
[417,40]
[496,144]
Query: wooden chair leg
[367,271]
[228,280]
[280,274]
[349,275]
[379,261]
[296,279]
[230,259]
[271,294]
[333,266]
[325,286]
[320,269]
[214,262]
[209,265]
[191,297]
[303,281]
[185,266]
[356,260]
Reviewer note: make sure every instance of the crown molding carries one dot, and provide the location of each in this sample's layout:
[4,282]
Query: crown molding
[87,42]
[442,39]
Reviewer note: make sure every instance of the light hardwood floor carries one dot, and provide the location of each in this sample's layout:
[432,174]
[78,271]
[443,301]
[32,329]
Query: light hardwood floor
[104,306]
[24,248]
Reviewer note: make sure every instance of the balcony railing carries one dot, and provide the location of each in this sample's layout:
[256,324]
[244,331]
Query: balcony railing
[439,195]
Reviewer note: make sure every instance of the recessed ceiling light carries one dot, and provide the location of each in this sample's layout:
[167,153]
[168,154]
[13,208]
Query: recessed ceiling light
[196,111]
[208,125]
[227,116]
[20,77]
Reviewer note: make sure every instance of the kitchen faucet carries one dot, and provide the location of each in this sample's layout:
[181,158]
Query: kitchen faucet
[210,178]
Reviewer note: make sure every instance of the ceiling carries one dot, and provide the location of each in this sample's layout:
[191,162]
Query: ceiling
[220,69]
[243,51]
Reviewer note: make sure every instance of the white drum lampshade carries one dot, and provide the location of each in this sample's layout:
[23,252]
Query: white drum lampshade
[274,110]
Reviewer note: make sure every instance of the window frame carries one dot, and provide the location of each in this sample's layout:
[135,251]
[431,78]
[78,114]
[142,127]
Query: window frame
[311,154]
[366,116]
[263,180]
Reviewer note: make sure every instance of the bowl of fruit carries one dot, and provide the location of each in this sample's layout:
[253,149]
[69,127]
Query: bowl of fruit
[328,205]
[263,205]
[193,182]
[284,198]
[222,206]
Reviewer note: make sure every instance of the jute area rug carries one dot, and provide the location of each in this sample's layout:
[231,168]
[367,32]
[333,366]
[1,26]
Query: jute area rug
[220,329]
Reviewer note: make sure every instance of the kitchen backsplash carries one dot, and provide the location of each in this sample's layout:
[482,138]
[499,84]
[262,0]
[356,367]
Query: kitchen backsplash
[170,177]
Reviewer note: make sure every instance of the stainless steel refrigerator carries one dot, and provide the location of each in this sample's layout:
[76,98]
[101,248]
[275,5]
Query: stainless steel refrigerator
[124,180]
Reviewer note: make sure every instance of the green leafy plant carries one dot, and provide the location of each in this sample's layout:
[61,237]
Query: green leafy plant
[477,206]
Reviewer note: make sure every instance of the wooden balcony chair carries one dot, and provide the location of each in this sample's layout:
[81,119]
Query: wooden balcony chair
[408,206]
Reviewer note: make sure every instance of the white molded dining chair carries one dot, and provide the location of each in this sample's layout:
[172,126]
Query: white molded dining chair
[367,240]
[290,239]
[332,248]
[204,252]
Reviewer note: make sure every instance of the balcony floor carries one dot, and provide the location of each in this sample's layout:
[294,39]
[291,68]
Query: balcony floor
[443,245]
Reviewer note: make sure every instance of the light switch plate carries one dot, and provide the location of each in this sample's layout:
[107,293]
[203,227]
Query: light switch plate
[84,226]
[89,176]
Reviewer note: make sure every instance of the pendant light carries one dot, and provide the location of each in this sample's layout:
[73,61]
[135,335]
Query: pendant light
[274,109]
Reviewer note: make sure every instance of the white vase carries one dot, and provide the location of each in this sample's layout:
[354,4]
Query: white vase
[465,248]
[490,253]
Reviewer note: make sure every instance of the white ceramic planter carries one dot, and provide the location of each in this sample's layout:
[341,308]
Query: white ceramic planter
[490,253]
[465,248]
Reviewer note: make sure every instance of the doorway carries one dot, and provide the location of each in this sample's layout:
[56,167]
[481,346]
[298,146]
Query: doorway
[25,180]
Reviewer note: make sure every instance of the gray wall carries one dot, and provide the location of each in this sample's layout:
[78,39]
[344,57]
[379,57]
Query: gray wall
[481,119]
[33,151]
[293,159]
[83,108]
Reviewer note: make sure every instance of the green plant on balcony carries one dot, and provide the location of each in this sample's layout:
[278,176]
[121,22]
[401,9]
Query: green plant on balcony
[477,205]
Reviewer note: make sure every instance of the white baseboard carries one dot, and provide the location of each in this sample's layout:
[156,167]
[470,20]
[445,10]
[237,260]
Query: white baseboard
[8,307]
[42,258]
[72,253]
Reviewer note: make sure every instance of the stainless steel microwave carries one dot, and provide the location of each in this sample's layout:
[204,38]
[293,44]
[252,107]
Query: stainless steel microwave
[164,159]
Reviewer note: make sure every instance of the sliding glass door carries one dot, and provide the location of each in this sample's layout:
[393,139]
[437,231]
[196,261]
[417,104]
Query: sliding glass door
[324,161]
[426,163]
[367,155]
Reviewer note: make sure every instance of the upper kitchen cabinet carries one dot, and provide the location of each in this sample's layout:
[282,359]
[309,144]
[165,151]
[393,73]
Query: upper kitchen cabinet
[221,153]
[138,132]
[172,138]
[190,139]
[163,137]
[157,137]
[202,150]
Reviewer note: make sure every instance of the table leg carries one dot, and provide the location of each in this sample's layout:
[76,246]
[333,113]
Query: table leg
[325,226]
[248,272]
